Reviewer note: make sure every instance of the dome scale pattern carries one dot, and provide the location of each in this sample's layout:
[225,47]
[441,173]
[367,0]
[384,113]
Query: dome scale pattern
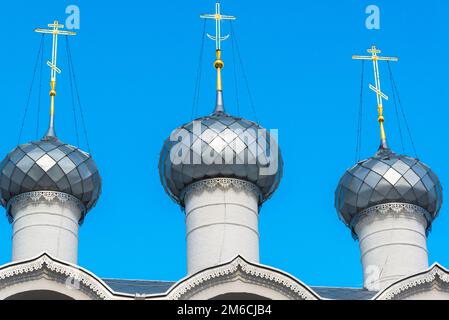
[50,165]
[388,178]
[234,146]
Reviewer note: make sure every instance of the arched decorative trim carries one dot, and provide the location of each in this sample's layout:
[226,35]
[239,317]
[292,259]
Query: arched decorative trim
[222,183]
[392,208]
[37,197]
[55,270]
[253,273]
[433,275]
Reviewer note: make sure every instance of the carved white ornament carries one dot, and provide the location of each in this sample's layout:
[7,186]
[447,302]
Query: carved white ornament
[22,272]
[395,208]
[224,184]
[37,197]
[252,273]
[434,274]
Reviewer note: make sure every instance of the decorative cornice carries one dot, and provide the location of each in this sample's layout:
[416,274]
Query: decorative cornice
[396,290]
[392,208]
[58,271]
[224,184]
[252,273]
[36,197]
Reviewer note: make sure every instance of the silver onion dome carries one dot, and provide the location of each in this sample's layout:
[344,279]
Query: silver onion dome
[227,147]
[388,178]
[50,165]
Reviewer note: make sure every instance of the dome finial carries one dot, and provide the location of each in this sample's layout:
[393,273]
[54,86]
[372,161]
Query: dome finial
[218,64]
[377,89]
[55,26]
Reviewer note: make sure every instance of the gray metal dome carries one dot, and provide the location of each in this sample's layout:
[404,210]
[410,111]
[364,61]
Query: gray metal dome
[50,165]
[232,141]
[388,178]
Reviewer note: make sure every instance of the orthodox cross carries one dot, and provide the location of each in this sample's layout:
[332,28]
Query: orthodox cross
[218,17]
[218,38]
[55,31]
[375,58]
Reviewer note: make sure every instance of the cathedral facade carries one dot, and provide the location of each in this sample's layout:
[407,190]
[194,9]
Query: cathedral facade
[219,169]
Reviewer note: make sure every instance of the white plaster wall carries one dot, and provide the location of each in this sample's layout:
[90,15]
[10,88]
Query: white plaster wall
[221,224]
[239,286]
[392,246]
[43,284]
[50,227]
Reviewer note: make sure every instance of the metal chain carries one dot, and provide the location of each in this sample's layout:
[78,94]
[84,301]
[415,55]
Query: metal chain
[83,121]
[27,105]
[358,147]
[395,88]
[245,77]
[72,94]
[234,62]
[40,89]
[396,108]
[196,94]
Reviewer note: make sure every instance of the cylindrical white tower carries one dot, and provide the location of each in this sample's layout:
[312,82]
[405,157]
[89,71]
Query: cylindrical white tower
[45,222]
[222,222]
[220,169]
[221,198]
[389,201]
[393,244]
[47,188]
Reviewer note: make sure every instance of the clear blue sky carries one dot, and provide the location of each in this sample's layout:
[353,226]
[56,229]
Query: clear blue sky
[136,66]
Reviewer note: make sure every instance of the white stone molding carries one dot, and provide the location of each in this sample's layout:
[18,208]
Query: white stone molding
[224,184]
[435,277]
[44,266]
[36,197]
[239,268]
[392,208]
[52,218]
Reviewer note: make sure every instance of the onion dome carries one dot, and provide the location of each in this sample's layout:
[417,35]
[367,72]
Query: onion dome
[388,178]
[50,165]
[225,147]
[220,145]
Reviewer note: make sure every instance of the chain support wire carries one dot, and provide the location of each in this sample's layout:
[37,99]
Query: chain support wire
[39,60]
[358,148]
[398,102]
[199,72]
[76,100]
[399,111]
[236,48]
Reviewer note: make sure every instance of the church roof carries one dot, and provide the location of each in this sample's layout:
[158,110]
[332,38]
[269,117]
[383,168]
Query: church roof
[142,287]
[337,293]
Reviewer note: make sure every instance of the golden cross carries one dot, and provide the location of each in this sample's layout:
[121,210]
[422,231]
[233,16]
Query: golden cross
[218,38]
[55,31]
[377,88]
[218,17]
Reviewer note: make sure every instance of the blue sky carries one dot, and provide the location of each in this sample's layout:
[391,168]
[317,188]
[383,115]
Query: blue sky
[136,66]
